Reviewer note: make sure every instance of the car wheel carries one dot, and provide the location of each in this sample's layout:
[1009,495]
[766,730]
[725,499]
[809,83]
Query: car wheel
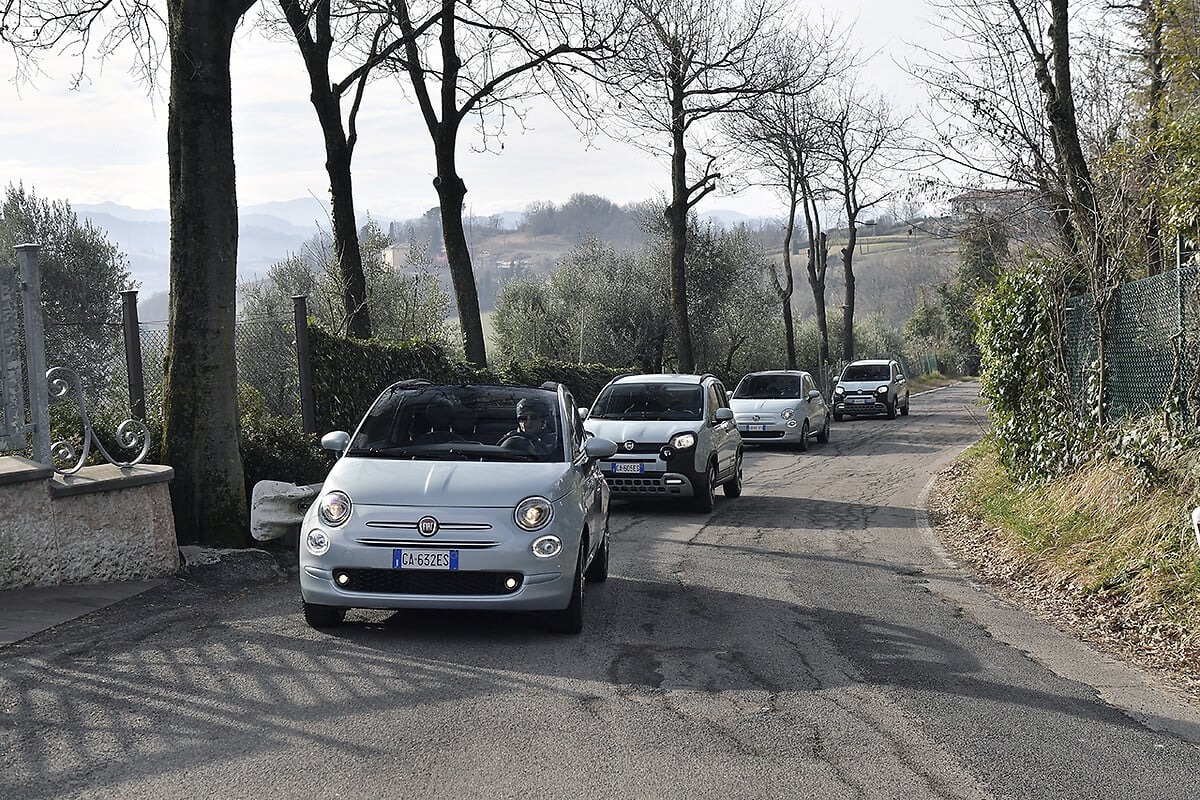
[323,616]
[570,619]
[904,408]
[823,434]
[733,486]
[597,571]
[706,498]
[891,410]
[803,436]
[837,416]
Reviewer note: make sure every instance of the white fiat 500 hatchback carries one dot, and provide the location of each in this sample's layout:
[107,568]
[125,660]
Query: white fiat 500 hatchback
[781,406]
[459,497]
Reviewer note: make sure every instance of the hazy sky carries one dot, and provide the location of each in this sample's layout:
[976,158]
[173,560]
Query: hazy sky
[107,140]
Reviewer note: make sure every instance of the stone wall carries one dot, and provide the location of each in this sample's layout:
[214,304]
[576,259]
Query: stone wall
[101,524]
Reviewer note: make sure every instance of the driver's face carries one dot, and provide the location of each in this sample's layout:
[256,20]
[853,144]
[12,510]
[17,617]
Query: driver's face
[529,423]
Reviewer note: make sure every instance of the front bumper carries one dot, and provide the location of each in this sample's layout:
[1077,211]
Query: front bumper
[488,549]
[764,429]
[846,405]
[658,477]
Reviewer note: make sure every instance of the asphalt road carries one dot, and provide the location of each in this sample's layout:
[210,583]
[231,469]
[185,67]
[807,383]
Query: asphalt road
[807,640]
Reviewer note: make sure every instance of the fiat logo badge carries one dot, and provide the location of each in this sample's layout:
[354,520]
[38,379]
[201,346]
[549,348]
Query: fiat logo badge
[628,445]
[756,417]
[427,526]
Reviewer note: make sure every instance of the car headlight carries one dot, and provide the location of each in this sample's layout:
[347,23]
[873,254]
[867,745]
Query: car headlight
[881,390]
[334,508]
[682,441]
[838,390]
[317,542]
[533,513]
[788,413]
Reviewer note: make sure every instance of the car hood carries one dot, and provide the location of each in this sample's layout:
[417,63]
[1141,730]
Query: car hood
[772,405]
[639,430]
[862,386]
[446,484]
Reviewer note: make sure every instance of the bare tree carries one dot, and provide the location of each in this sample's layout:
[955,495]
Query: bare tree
[782,140]
[690,62]
[363,34]
[200,406]
[864,136]
[485,59]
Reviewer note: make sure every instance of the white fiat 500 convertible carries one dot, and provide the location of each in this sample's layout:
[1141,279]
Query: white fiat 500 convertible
[459,497]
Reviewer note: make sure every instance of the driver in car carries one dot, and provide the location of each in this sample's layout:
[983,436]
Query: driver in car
[531,428]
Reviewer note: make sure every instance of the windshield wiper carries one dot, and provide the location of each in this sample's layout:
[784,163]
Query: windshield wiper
[379,452]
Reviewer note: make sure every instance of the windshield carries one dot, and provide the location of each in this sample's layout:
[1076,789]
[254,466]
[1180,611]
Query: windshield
[867,372]
[461,423]
[660,401]
[764,387]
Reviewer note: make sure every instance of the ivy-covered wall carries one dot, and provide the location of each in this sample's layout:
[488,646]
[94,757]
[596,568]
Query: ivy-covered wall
[348,374]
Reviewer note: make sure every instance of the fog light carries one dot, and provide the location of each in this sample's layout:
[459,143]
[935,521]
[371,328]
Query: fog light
[546,546]
[343,579]
[667,452]
[510,583]
[673,481]
[317,541]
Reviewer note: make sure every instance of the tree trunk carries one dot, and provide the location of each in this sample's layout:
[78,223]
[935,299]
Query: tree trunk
[451,192]
[676,214]
[201,427]
[848,315]
[339,152]
[785,294]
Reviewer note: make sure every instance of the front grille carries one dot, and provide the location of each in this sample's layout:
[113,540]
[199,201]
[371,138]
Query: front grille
[640,448]
[631,485]
[397,581]
[762,434]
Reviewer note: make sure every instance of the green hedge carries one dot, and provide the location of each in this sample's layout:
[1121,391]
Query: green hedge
[348,374]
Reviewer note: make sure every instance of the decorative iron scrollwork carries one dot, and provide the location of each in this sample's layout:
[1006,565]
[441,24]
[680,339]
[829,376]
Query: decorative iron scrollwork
[61,382]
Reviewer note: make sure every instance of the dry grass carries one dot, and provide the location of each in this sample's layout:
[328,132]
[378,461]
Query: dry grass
[1096,553]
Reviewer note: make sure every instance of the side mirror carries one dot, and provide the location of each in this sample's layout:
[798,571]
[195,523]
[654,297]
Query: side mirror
[335,441]
[723,415]
[582,411]
[597,447]
[813,394]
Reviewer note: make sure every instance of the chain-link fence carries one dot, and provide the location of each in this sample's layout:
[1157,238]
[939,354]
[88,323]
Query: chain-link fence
[1152,342]
[266,363]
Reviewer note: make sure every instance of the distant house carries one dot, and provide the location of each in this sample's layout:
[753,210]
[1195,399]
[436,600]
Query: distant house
[1009,204]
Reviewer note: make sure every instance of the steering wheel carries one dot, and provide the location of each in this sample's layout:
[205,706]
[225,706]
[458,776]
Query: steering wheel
[520,442]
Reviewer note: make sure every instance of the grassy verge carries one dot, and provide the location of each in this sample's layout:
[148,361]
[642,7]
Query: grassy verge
[1099,552]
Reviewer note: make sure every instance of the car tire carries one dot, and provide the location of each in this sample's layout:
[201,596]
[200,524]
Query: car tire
[904,408]
[705,498]
[891,410]
[837,416]
[570,619]
[823,434]
[597,571]
[804,431]
[733,486]
[323,616]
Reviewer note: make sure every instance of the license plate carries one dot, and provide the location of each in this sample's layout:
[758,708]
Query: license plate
[424,559]
[635,468]
[859,401]
[753,428]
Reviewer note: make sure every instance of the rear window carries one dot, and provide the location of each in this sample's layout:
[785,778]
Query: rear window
[867,372]
[764,387]
[653,401]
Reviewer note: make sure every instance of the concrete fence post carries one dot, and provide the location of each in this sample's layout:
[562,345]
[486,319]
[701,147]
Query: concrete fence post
[35,350]
[133,353]
[308,413]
